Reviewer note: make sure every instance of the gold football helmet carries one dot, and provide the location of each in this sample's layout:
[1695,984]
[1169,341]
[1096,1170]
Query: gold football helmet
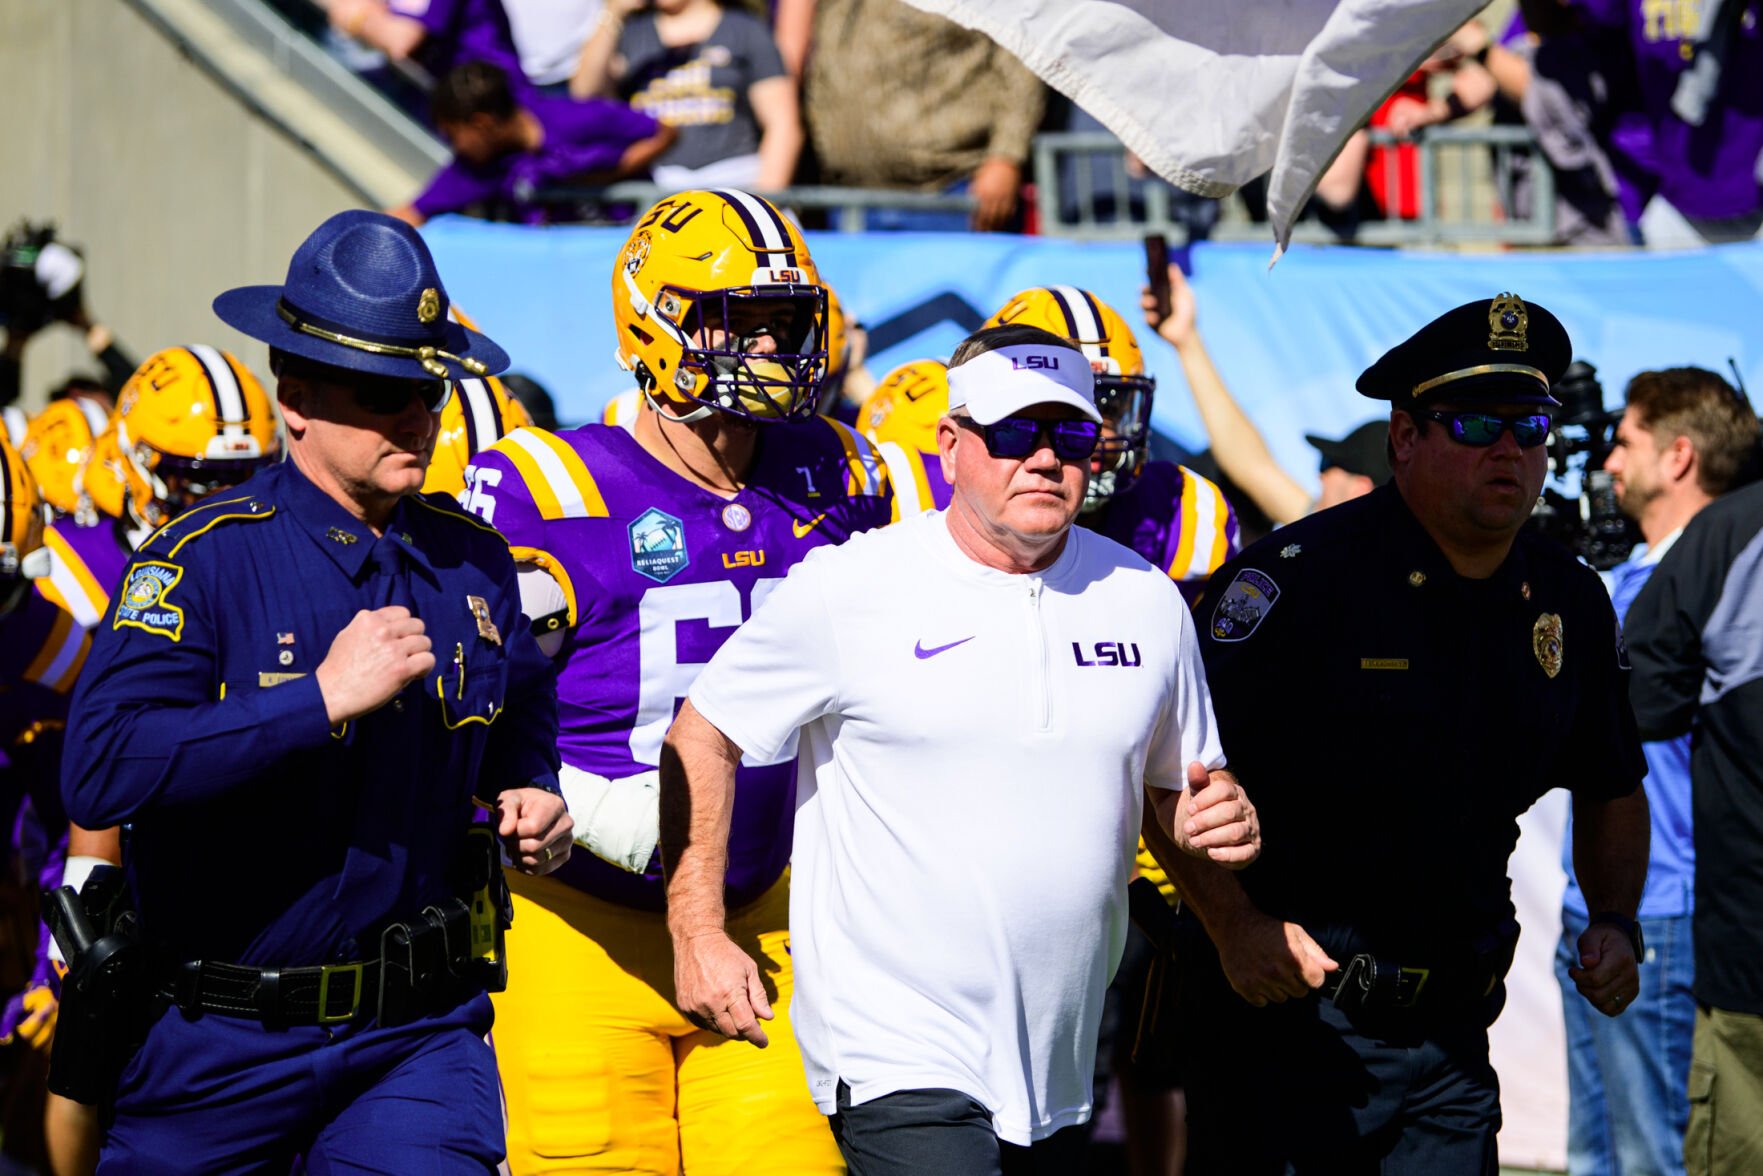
[21,522]
[190,421]
[1123,390]
[478,414]
[906,406]
[718,307]
[57,444]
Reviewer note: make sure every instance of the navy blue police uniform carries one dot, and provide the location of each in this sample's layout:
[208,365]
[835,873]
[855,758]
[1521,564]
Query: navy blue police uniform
[277,861]
[1392,720]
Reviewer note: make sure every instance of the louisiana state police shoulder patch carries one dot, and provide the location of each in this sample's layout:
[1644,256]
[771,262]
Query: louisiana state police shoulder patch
[142,603]
[1248,599]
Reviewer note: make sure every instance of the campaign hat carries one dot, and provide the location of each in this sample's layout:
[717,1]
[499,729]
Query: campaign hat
[363,293]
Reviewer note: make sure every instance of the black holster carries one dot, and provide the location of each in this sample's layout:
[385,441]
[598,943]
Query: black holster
[452,949]
[107,994]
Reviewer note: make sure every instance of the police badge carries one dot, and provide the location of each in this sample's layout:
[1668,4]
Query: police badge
[1245,602]
[1545,642]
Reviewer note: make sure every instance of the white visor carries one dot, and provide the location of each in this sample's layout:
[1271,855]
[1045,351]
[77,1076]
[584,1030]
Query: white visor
[997,384]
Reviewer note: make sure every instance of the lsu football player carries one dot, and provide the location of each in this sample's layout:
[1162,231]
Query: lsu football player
[622,409]
[1176,519]
[42,651]
[57,444]
[190,421]
[901,416]
[641,551]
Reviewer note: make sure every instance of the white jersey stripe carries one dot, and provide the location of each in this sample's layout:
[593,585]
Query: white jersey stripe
[71,641]
[1205,527]
[563,487]
[899,464]
[72,592]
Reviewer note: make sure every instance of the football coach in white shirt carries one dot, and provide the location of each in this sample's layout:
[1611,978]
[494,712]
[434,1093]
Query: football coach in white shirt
[984,696]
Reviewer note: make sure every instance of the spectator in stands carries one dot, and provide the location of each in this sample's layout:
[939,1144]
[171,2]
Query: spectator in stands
[1352,466]
[1685,436]
[508,147]
[1699,71]
[1575,88]
[549,35]
[710,71]
[438,35]
[898,98]
[1366,181]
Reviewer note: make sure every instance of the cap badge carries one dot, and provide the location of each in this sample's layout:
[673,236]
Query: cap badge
[1508,322]
[1545,642]
[428,307]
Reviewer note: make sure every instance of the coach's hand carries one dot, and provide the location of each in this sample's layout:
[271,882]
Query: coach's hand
[718,987]
[1268,961]
[1608,975]
[1215,820]
[376,655]
[536,828]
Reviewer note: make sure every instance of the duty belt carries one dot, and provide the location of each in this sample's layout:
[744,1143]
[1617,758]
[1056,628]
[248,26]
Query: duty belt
[426,965]
[1367,982]
[325,995]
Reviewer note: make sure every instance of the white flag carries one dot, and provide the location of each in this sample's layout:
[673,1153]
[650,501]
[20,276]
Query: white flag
[1212,93]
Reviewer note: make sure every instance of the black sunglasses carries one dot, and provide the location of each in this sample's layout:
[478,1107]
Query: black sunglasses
[390,395]
[1018,437]
[1482,429]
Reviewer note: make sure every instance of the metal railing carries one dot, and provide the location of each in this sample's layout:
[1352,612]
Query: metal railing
[1084,188]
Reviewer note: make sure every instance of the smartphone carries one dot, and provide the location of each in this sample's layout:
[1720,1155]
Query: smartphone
[1157,271]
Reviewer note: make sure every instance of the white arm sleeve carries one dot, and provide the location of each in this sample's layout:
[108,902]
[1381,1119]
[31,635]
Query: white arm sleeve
[618,820]
[79,867]
[780,670]
[540,596]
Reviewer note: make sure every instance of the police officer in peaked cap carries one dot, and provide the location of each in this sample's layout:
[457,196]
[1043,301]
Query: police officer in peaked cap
[306,689]
[1396,680]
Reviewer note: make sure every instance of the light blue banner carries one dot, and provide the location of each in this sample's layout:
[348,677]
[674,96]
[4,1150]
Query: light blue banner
[1289,342]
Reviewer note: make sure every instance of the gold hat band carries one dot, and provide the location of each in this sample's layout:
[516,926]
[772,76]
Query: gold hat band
[1486,369]
[429,357]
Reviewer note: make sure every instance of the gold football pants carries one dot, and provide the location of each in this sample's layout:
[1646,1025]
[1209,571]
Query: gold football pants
[602,1074]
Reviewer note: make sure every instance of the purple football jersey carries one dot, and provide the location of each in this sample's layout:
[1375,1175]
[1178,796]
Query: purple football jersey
[1177,520]
[662,572]
[86,564]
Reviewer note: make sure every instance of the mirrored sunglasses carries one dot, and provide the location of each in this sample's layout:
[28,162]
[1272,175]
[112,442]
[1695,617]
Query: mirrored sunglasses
[1482,429]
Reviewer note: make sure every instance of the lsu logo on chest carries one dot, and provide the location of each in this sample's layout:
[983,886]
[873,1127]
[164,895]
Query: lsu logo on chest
[1108,653]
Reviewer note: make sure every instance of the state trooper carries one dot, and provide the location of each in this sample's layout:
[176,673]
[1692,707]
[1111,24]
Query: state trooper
[305,689]
[1396,680]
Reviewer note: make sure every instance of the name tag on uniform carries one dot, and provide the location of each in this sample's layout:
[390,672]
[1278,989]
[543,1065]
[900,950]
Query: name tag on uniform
[486,628]
[266,679]
[1383,663]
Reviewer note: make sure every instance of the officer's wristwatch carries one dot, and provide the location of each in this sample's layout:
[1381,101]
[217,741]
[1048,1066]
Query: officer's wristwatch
[1628,927]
